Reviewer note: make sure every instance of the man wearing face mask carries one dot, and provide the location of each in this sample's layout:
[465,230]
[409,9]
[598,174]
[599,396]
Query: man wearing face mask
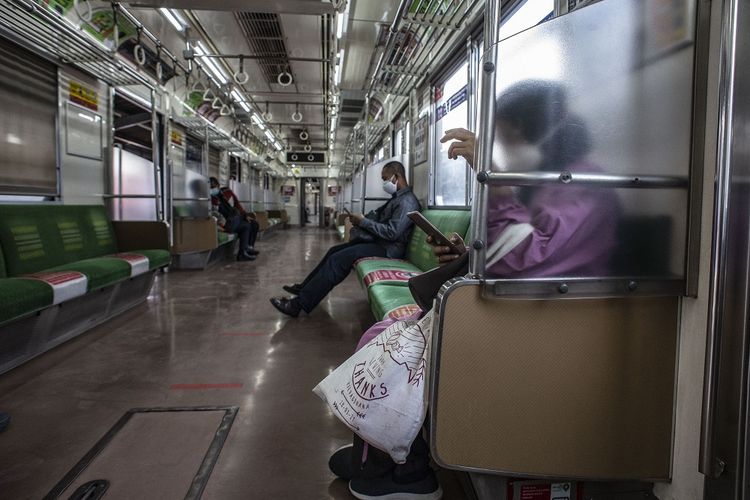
[383,232]
[238,221]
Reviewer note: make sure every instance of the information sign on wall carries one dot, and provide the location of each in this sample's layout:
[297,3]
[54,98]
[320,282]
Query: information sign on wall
[421,129]
[83,96]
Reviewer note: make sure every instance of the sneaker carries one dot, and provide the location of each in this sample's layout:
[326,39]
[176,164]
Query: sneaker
[252,251]
[244,257]
[293,289]
[340,462]
[4,421]
[385,488]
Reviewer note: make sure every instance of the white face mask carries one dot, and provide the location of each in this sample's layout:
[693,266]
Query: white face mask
[389,186]
[516,157]
[214,191]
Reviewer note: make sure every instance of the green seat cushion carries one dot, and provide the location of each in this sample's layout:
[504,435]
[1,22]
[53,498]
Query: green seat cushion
[396,300]
[156,258]
[100,271]
[21,297]
[367,266]
[223,237]
[419,252]
[29,238]
[100,234]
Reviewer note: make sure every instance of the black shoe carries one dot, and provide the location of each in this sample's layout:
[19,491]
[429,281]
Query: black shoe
[242,257]
[290,307]
[293,289]
[4,421]
[385,488]
[340,462]
[252,251]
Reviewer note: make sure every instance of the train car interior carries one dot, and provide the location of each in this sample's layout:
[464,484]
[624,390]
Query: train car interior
[375,249]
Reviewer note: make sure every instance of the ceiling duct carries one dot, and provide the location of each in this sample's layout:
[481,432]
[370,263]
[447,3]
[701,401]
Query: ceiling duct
[266,39]
[352,105]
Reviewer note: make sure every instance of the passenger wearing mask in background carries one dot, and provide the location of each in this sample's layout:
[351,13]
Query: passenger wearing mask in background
[383,232]
[552,230]
[238,221]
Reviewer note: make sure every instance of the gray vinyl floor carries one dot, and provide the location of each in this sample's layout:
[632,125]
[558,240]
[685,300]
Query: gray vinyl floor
[202,339]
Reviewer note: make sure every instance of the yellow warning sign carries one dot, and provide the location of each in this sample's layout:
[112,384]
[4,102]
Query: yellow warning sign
[86,97]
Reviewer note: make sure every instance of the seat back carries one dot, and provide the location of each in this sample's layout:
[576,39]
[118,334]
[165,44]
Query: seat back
[263,222]
[554,387]
[37,237]
[3,273]
[645,253]
[448,222]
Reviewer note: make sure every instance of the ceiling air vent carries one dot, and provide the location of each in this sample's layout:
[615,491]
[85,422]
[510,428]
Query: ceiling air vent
[263,33]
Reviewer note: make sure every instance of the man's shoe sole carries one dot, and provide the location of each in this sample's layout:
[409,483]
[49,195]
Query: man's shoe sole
[435,495]
[291,289]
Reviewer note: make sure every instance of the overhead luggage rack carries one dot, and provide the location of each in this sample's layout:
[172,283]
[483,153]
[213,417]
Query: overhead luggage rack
[421,31]
[43,30]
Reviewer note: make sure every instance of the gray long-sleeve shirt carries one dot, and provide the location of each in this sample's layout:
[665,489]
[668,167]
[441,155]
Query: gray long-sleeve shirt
[390,225]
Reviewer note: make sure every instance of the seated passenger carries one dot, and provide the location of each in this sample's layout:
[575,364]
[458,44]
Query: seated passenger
[533,232]
[238,221]
[382,233]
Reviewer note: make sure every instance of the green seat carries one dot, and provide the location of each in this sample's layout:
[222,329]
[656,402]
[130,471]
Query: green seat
[419,252]
[367,266]
[156,258]
[223,237]
[21,297]
[390,299]
[100,271]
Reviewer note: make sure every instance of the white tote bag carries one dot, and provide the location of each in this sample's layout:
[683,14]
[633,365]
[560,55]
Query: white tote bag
[381,392]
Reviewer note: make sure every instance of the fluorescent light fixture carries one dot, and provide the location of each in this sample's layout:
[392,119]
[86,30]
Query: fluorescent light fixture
[241,101]
[210,65]
[174,18]
[339,65]
[256,119]
[278,146]
[340,25]
[270,136]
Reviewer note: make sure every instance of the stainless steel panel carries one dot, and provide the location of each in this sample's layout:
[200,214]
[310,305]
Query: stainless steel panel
[724,445]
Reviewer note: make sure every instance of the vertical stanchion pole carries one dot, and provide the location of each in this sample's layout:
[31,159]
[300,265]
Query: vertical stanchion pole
[485,136]
[155,154]
[364,162]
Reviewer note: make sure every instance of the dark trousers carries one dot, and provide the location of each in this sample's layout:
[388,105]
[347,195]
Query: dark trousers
[246,230]
[333,269]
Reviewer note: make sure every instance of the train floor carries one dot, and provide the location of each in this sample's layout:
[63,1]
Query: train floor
[206,339]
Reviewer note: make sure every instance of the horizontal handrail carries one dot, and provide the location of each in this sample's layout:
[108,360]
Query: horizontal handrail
[134,196]
[582,179]
[191,199]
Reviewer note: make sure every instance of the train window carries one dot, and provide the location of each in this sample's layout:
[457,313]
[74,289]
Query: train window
[451,111]
[28,98]
[528,14]
[598,93]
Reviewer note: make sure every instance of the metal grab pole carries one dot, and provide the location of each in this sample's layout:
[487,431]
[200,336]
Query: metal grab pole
[485,136]
[367,137]
[155,154]
[709,463]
